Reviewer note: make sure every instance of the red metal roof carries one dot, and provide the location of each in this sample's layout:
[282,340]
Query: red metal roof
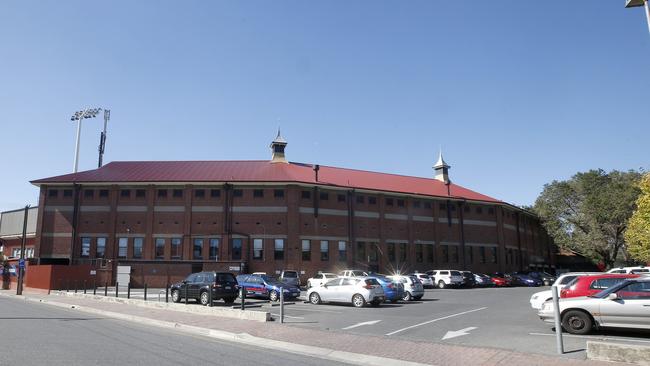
[263,171]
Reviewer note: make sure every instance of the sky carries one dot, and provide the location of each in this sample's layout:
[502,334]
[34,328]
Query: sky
[516,93]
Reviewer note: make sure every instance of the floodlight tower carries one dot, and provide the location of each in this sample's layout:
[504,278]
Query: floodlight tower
[102,137]
[637,3]
[79,116]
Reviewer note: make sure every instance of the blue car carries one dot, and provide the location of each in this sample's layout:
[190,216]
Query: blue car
[393,291]
[519,279]
[266,287]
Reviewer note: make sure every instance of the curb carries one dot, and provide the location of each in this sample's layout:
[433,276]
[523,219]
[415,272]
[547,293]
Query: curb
[616,352]
[241,338]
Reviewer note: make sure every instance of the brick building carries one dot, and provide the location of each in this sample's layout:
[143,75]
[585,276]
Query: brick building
[166,219]
[11,232]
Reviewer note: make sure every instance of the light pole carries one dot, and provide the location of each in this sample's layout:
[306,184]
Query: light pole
[637,3]
[79,116]
[102,138]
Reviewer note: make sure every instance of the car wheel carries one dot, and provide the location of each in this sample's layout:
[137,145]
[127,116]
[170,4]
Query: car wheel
[577,322]
[314,298]
[441,284]
[358,301]
[407,296]
[204,298]
[176,296]
[273,296]
[228,300]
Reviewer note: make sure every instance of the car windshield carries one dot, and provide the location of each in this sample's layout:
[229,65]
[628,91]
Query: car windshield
[455,273]
[269,278]
[567,279]
[291,274]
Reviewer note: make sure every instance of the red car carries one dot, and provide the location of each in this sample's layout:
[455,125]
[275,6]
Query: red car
[501,280]
[591,285]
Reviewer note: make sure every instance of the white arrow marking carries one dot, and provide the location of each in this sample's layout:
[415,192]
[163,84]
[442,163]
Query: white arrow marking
[362,324]
[458,333]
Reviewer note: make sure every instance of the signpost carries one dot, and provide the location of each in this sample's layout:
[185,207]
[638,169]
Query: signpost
[21,262]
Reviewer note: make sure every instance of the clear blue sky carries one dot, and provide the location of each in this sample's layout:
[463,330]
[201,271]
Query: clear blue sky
[517,93]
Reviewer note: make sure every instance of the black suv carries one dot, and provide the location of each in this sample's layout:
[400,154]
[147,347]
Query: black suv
[197,286]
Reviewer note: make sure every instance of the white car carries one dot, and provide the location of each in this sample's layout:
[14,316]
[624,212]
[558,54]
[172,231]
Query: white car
[541,297]
[413,289]
[352,273]
[320,279]
[424,278]
[359,291]
[630,270]
[625,305]
[446,277]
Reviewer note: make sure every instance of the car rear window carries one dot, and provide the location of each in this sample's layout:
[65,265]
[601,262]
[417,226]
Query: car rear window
[573,282]
[291,274]
[455,273]
[226,277]
[645,270]
[567,279]
[444,273]
[372,281]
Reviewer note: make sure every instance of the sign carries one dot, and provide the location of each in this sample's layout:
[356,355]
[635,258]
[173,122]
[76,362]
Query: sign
[233,268]
[21,263]
[12,270]
[93,272]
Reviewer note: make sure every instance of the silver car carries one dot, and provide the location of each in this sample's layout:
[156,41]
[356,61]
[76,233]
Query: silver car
[359,291]
[626,305]
[413,289]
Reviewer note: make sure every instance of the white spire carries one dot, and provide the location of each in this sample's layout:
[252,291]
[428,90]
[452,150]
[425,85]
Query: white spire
[441,162]
[277,149]
[442,169]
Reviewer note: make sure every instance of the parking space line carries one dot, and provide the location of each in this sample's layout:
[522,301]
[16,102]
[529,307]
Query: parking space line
[301,308]
[604,338]
[435,320]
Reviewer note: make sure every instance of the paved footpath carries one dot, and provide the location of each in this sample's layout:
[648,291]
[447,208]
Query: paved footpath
[361,345]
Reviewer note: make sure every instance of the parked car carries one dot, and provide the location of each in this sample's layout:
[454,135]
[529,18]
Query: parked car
[591,285]
[290,277]
[538,298]
[267,287]
[425,279]
[633,270]
[359,291]
[519,279]
[501,279]
[446,277]
[320,279]
[413,289]
[393,290]
[197,286]
[624,305]
[468,279]
[353,273]
[483,280]
[546,278]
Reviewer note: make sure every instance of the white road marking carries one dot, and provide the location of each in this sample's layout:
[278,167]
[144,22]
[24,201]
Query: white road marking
[458,333]
[593,337]
[300,308]
[287,316]
[435,320]
[371,322]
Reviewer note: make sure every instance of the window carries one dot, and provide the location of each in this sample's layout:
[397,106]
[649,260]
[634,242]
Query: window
[162,193]
[442,206]
[402,252]
[278,253]
[236,244]
[452,207]
[419,253]
[360,199]
[400,203]
[160,248]
[85,247]
[177,193]
[214,248]
[479,210]
[137,247]
[604,283]
[237,193]
[372,200]
[635,291]
[430,253]
[453,253]
[491,210]
[122,247]
[427,205]
[103,193]
[324,196]
[258,193]
[176,248]
[278,193]
[445,253]
[361,251]
[389,201]
[258,248]
[67,193]
[101,248]
[481,252]
[373,252]
[340,198]
[140,193]
[125,193]
[89,193]
[342,252]
[214,193]
[324,250]
[493,255]
[416,204]
[305,195]
[52,193]
[469,255]
[466,208]
[391,252]
[306,250]
[199,193]
[197,251]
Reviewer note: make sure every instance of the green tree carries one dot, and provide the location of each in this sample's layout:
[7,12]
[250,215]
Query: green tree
[637,234]
[589,213]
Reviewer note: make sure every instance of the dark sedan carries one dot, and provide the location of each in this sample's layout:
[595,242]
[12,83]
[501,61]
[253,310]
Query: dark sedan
[197,287]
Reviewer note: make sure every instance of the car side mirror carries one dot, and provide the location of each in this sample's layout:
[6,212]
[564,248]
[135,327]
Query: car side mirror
[325,285]
[612,296]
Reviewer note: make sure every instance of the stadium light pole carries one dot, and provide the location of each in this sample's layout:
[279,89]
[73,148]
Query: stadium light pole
[79,116]
[638,3]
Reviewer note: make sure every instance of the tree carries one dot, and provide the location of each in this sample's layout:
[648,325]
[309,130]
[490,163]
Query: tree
[637,234]
[589,213]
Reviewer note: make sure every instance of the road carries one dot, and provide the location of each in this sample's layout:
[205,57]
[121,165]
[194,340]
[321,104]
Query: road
[35,334]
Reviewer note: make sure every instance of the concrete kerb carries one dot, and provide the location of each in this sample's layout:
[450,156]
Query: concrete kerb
[616,352]
[225,312]
[241,338]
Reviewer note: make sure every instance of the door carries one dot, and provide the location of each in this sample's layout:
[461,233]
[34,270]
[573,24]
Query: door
[328,291]
[631,308]
[195,286]
[185,286]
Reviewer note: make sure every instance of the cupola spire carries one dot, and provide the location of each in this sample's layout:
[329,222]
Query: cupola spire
[277,149]
[441,169]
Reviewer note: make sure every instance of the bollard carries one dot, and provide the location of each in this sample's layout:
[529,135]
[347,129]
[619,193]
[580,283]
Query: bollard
[167,293]
[185,286]
[84,287]
[106,289]
[94,287]
[145,292]
[117,286]
[281,305]
[67,286]
[75,286]
[558,322]
[243,297]
[128,290]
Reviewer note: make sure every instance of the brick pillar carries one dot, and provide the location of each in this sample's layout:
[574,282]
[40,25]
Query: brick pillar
[149,245]
[39,222]
[187,244]
[501,242]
